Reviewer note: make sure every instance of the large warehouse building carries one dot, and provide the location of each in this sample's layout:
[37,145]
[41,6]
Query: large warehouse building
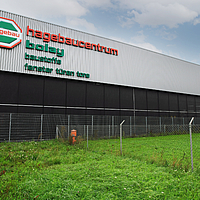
[50,69]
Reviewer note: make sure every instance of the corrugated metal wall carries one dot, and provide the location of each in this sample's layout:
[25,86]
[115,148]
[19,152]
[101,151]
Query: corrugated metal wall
[133,66]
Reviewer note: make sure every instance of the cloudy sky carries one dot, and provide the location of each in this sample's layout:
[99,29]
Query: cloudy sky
[170,27]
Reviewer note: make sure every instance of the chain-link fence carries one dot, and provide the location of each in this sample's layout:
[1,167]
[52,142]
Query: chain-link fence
[172,148]
[112,131]
[19,127]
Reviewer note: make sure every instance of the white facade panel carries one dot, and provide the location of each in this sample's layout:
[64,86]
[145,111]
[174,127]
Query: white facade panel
[132,66]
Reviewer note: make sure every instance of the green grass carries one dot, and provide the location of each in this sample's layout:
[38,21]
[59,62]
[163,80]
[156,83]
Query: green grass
[150,168]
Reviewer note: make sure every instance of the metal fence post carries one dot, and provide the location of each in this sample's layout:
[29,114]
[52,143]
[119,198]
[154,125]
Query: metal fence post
[134,119]
[160,125]
[130,126]
[87,136]
[112,125]
[84,131]
[190,127]
[146,126]
[149,130]
[109,130]
[121,137]
[10,124]
[172,124]
[41,126]
[68,126]
[57,132]
[92,126]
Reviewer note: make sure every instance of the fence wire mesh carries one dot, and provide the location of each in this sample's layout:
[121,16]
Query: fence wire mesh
[172,147]
[14,127]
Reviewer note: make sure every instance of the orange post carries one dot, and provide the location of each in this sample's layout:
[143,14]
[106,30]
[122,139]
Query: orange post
[73,134]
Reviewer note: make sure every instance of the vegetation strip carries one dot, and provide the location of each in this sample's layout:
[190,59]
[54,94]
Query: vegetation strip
[150,168]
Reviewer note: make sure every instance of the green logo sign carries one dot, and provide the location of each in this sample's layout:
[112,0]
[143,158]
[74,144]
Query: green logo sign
[10,33]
